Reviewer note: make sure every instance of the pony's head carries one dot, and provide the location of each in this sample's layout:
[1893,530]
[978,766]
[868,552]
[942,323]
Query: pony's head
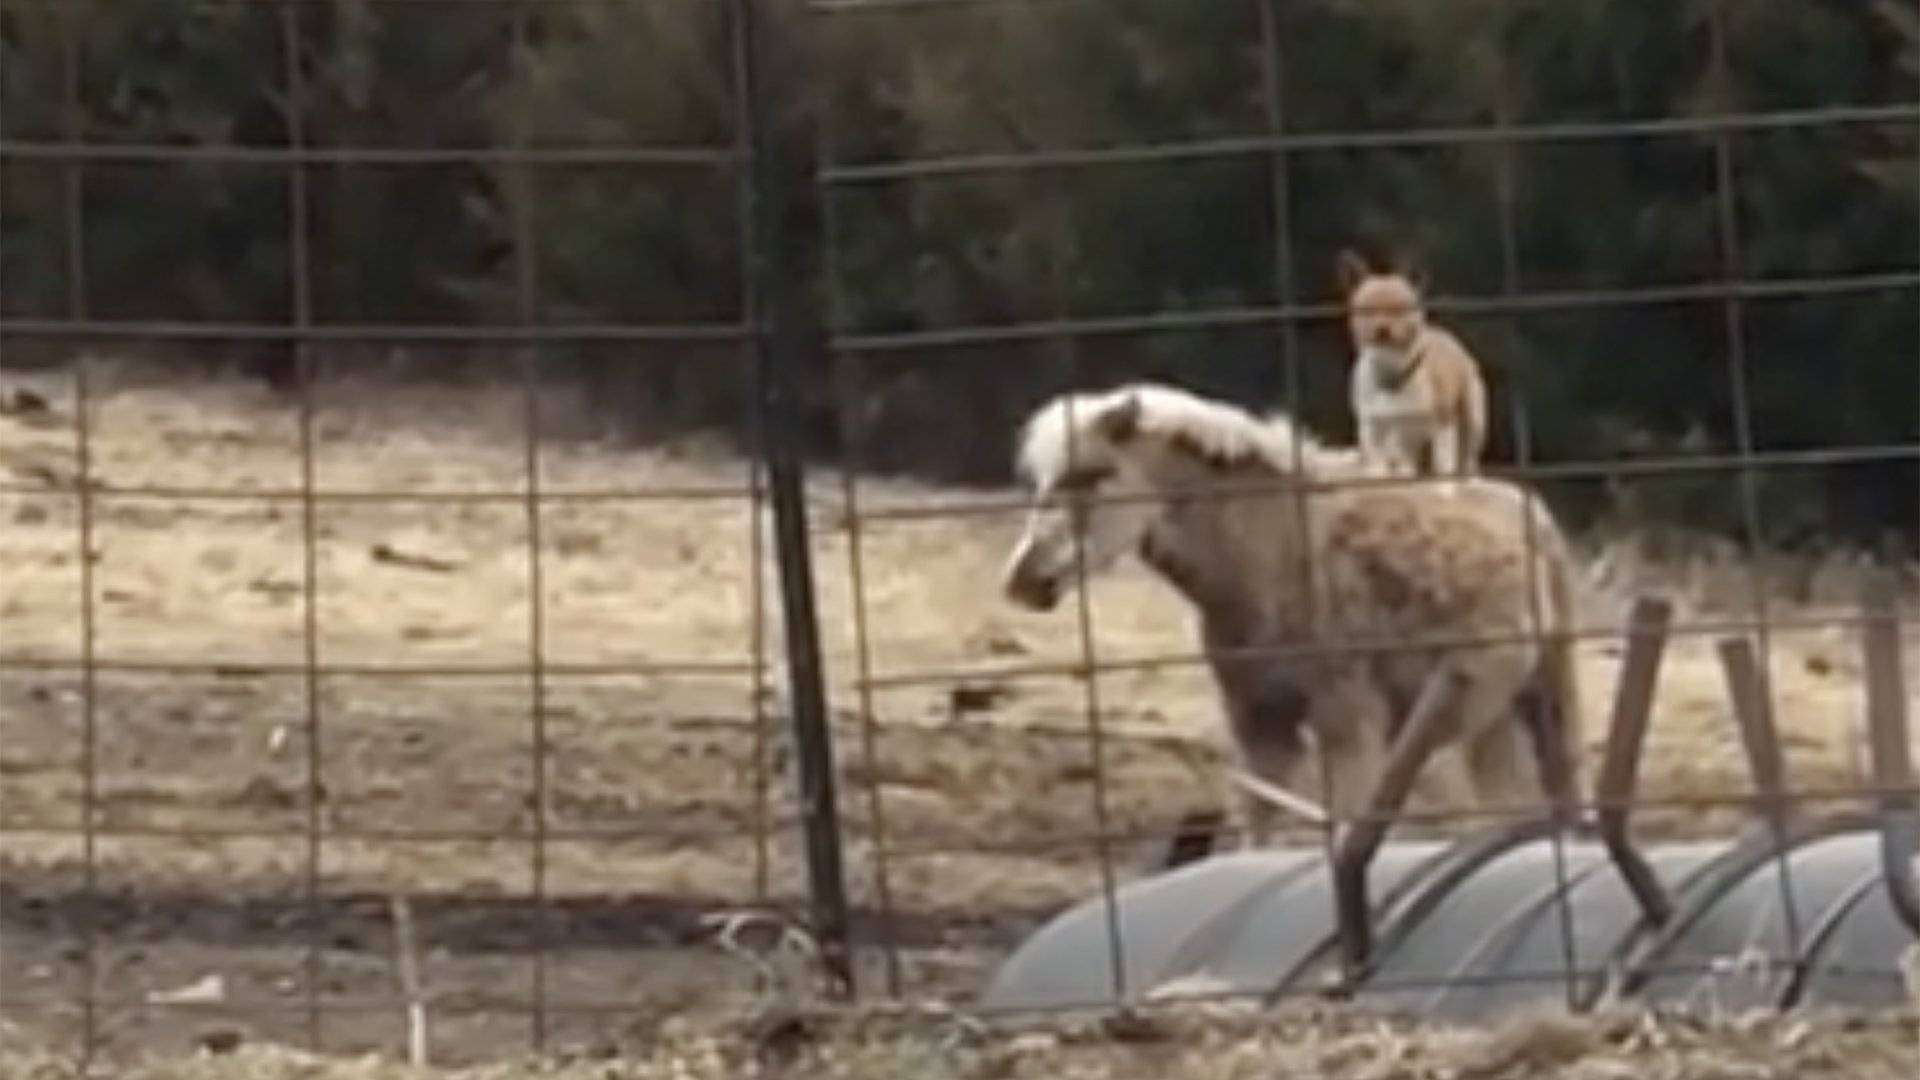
[1099,466]
[1088,505]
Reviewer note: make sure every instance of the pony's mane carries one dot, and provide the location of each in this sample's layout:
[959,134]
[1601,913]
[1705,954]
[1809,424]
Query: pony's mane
[1063,432]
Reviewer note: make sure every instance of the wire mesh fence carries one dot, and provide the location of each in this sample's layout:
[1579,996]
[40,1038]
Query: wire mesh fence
[616,748]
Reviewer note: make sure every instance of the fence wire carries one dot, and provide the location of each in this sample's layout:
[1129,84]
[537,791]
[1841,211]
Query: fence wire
[872,920]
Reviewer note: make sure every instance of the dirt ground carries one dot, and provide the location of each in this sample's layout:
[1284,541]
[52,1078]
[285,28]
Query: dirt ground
[658,748]
[1213,1043]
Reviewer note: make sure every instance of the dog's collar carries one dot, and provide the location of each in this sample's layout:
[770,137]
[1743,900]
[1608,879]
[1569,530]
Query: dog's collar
[1392,383]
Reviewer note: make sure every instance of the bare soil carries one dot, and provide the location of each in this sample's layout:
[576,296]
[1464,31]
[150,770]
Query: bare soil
[1214,1043]
[200,805]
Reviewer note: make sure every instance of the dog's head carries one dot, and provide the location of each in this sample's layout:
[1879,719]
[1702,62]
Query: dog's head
[1384,306]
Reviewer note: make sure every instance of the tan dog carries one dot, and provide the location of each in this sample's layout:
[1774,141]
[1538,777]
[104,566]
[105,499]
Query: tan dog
[1419,401]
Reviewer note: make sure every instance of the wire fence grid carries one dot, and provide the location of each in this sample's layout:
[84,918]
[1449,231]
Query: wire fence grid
[863,935]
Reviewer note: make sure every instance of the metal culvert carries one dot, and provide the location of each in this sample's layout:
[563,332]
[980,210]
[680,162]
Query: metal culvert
[1469,930]
[1796,912]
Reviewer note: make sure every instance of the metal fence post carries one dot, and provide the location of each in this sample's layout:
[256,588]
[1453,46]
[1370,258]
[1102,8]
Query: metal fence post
[768,61]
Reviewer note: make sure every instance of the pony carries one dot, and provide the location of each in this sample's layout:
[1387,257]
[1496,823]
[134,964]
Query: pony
[1323,607]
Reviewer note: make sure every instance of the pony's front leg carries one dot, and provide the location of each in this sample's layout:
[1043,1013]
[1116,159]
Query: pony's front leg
[1281,765]
[1265,714]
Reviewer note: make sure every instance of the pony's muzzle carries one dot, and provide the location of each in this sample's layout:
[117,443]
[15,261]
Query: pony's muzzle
[1028,589]
[1035,593]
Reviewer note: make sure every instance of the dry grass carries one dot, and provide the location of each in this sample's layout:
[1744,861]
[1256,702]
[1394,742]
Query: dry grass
[1202,1044]
[218,582]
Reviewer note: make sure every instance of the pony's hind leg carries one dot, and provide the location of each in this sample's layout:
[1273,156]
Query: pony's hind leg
[1490,724]
[1448,777]
[1551,750]
[1351,724]
[1499,766]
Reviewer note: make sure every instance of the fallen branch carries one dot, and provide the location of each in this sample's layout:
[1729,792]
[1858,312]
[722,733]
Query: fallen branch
[1279,797]
[406,962]
[781,960]
[387,553]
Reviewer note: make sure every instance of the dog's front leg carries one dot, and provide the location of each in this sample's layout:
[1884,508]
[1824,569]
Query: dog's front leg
[1446,449]
[1449,463]
[1375,454]
[1401,448]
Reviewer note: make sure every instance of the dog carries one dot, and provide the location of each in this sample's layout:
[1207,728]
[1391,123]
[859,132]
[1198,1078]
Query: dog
[1419,400]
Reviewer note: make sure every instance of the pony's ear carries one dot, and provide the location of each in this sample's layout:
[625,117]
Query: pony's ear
[1352,269]
[1119,422]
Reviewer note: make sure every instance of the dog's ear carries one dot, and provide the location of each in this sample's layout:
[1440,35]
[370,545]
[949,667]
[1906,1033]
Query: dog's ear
[1414,269]
[1353,270]
[1119,422]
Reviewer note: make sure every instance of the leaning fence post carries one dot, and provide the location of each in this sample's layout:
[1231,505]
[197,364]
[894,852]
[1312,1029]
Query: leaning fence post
[1753,712]
[768,56]
[1647,627]
[1892,752]
[1421,734]
[1758,735]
